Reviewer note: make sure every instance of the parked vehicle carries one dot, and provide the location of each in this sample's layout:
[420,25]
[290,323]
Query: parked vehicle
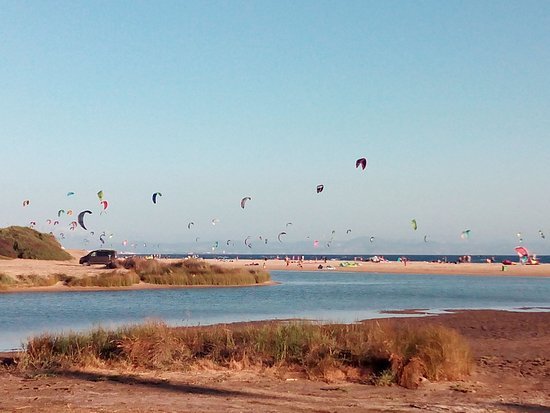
[99,257]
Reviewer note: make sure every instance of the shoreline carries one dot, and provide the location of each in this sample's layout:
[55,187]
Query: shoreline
[41,268]
[393,267]
[134,287]
[415,315]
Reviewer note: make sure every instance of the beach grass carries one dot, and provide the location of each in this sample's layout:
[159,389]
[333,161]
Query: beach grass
[34,280]
[105,279]
[5,281]
[192,272]
[380,353]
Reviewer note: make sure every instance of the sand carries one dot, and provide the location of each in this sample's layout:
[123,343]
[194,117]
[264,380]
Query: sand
[15,267]
[511,374]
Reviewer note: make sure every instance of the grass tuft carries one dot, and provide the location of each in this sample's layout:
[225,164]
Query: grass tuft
[378,353]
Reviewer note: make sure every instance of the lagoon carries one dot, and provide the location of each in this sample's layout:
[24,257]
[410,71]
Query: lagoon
[336,297]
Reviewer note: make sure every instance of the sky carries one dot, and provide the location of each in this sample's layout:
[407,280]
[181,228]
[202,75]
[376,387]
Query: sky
[208,102]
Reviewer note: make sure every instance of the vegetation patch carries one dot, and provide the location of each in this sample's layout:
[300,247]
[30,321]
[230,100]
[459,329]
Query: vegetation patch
[33,280]
[22,242]
[192,272]
[379,352]
[106,279]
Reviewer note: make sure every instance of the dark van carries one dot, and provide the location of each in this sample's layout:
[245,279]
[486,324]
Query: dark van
[99,257]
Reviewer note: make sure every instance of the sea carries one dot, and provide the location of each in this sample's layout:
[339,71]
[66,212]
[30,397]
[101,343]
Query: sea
[543,259]
[313,295]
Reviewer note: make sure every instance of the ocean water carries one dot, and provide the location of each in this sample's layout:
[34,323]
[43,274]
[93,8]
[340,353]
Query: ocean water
[544,259]
[338,297]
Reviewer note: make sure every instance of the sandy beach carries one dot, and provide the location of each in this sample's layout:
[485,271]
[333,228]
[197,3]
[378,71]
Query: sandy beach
[15,267]
[412,267]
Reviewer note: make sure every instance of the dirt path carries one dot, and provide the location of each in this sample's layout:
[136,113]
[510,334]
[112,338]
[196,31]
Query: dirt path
[512,374]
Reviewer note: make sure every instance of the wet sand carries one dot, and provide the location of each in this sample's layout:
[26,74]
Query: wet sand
[511,374]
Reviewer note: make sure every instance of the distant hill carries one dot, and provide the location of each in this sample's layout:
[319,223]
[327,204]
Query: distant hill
[22,242]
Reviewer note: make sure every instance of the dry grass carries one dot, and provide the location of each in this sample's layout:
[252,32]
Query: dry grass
[33,280]
[378,353]
[5,281]
[106,279]
[192,272]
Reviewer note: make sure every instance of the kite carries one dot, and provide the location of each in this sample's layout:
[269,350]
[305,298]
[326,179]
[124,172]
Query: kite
[189,225]
[154,197]
[371,239]
[279,236]
[541,234]
[100,195]
[320,188]
[465,234]
[413,223]
[288,223]
[81,218]
[361,162]
[243,201]
[70,193]
[348,231]
[315,243]
[246,241]
[425,238]
[70,212]
[105,205]
[61,211]
[215,221]
[26,202]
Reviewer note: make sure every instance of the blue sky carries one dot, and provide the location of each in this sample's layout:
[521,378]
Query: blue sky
[208,102]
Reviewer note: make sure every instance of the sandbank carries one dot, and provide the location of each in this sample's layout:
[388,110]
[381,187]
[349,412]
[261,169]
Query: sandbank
[412,267]
[44,268]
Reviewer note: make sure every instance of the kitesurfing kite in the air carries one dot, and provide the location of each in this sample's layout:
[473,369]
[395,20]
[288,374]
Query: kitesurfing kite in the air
[361,162]
[243,201]
[155,196]
[81,218]
[320,188]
